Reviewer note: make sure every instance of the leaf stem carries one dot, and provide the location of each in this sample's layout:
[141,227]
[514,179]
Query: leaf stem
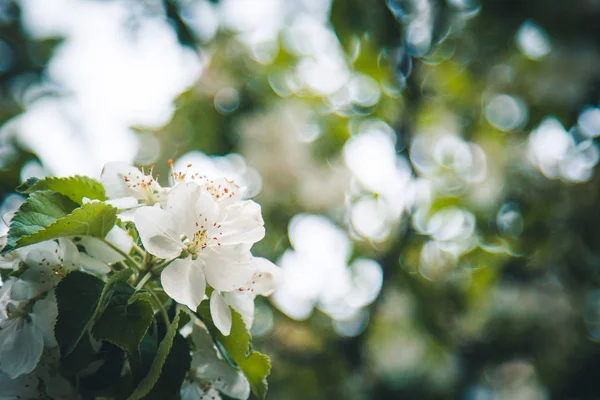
[159,267]
[143,281]
[121,252]
[160,306]
[138,249]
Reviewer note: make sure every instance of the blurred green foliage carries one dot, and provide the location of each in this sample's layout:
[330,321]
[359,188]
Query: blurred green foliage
[516,324]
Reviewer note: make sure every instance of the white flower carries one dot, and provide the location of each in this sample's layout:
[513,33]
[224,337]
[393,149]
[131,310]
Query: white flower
[26,327]
[97,254]
[125,186]
[316,273]
[44,382]
[215,231]
[211,374]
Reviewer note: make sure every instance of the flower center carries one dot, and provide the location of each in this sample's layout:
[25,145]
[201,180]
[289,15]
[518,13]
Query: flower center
[202,237]
[144,186]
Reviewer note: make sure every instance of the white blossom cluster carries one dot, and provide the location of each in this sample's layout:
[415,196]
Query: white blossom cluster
[28,308]
[206,228]
[200,231]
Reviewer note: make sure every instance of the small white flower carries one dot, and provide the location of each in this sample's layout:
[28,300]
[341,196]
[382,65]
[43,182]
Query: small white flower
[125,186]
[44,382]
[215,233]
[26,327]
[210,373]
[97,254]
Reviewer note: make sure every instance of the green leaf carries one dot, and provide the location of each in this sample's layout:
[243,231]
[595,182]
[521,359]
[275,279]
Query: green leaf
[107,380]
[36,213]
[33,225]
[125,319]
[156,368]
[173,372]
[83,355]
[238,347]
[74,187]
[77,295]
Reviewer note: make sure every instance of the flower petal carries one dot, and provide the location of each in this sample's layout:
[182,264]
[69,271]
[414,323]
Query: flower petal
[265,279]
[70,254]
[183,280]
[21,347]
[112,179]
[37,279]
[243,303]
[99,250]
[123,203]
[93,265]
[158,231]
[227,271]
[243,223]
[181,203]
[221,314]
[43,317]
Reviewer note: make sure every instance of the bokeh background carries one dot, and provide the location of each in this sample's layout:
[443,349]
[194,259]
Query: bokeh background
[426,169]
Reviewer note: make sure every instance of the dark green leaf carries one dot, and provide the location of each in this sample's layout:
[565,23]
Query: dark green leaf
[77,295]
[174,371]
[125,319]
[74,187]
[156,368]
[107,379]
[82,356]
[238,347]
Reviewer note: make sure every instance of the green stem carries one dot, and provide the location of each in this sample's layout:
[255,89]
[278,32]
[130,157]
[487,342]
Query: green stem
[138,249]
[143,281]
[159,267]
[121,252]
[160,306]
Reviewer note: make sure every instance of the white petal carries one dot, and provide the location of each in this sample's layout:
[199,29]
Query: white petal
[93,265]
[5,297]
[191,391]
[123,203]
[99,250]
[228,190]
[265,279]
[243,303]
[243,223]
[112,179]
[206,206]
[21,347]
[43,317]
[70,254]
[23,387]
[221,314]
[183,280]
[212,369]
[37,279]
[181,203]
[159,232]
[227,271]
[8,216]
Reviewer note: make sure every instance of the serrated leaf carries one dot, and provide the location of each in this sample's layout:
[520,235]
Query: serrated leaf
[238,347]
[30,227]
[78,288]
[74,187]
[162,353]
[83,355]
[125,319]
[107,379]
[173,372]
[77,295]
[38,211]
